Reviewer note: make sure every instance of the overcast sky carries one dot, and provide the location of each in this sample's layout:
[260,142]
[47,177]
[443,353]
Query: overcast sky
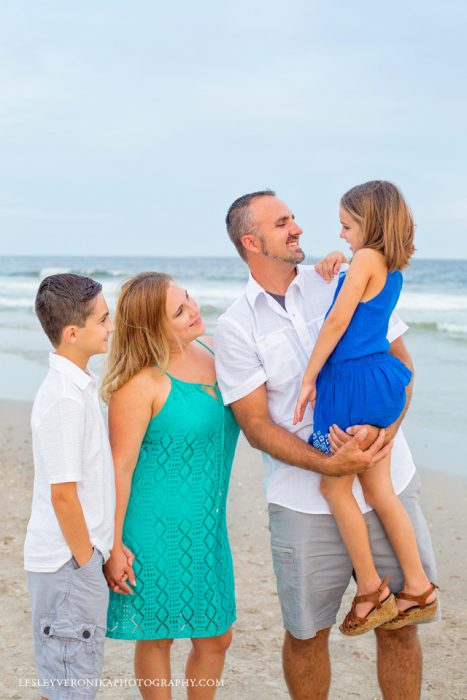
[127,128]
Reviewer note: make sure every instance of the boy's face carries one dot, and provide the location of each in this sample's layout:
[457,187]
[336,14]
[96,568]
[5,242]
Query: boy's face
[93,337]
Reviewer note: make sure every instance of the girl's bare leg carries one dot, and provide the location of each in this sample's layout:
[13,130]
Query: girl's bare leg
[205,663]
[380,494]
[354,533]
[152,663]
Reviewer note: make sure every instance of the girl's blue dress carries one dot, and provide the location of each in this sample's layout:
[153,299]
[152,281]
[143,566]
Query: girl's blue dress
[361,382]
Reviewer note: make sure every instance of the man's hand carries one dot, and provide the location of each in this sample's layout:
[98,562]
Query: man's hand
[337,437]
[330,265]
[351,458]
[118,569]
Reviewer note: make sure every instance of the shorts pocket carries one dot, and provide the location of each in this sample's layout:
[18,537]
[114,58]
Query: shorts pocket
[283,560]
[96,561]
[283,554]
[69,649]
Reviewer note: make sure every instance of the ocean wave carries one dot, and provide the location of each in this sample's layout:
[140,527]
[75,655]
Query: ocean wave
[40,273]
[429,301]
[457,330]
[11,304]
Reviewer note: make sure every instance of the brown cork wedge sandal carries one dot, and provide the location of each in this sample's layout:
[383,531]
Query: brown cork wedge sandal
[382,612]
[422,612]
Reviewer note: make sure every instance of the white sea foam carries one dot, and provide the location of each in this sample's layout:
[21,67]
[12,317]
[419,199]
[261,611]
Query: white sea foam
[454,328]
[9,303]
[432,301]
[47,271]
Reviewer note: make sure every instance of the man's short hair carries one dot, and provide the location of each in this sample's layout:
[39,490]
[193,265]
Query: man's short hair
[65,300]
[240,221]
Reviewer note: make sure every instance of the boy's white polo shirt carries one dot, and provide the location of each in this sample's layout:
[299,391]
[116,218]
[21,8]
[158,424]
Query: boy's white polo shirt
[70,443]
[257,342]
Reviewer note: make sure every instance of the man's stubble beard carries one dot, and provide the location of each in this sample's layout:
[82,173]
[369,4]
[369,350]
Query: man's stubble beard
[293,259]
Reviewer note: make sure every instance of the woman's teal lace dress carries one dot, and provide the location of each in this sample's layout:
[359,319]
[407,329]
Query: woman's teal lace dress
[176,522]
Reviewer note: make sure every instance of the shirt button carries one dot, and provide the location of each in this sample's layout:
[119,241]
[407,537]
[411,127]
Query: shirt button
[86,634]
[47,630]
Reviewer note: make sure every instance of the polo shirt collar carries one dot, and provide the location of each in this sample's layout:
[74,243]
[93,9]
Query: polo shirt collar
[70,370]
[254,290]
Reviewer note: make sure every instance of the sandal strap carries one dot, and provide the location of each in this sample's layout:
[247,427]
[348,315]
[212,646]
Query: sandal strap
[419,599]
[374,596]
[352,620]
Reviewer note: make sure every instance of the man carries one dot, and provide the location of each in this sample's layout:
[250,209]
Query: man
[262,345]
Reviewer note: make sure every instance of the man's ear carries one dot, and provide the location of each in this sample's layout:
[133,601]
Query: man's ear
[251,243]
[69,335]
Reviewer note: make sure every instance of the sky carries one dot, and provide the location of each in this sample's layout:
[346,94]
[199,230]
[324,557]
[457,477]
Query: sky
[129,128]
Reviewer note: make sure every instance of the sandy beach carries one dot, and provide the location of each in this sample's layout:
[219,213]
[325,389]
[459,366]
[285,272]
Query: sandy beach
[253,668]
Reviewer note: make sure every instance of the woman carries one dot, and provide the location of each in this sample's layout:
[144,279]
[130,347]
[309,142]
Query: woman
[173,444]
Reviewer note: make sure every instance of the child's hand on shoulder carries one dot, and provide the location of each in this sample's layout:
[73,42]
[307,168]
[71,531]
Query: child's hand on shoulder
[307,394]
[330,265]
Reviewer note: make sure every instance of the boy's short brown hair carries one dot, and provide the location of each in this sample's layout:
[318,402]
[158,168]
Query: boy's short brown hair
[65,300]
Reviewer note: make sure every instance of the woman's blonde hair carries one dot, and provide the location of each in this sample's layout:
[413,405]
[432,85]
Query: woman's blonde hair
[141,336]
[385,220]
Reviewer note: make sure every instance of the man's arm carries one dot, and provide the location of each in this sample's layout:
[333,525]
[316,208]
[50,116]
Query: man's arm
[399,350]
[338,437]
[252,415]
[70,517]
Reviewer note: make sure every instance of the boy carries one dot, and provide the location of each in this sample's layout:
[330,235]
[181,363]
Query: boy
[70,531]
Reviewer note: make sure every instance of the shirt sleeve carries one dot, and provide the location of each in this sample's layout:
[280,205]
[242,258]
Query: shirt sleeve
[396,327]
[239,369]
[61,435]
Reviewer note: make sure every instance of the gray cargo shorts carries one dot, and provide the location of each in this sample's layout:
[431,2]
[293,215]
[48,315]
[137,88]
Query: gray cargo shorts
[313,568]
[69,621]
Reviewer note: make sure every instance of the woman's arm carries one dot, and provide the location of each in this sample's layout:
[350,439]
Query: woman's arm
[335,325]
[130,410]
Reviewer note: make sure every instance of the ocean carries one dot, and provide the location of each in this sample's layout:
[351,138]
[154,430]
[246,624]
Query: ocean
[433,303]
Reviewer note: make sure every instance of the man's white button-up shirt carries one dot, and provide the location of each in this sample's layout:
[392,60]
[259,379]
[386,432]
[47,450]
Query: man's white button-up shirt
[258,342]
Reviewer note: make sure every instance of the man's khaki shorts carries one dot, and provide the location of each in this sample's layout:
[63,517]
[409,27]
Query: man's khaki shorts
[313,568]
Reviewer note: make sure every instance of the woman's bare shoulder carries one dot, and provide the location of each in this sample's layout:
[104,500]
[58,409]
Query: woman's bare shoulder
[142,386]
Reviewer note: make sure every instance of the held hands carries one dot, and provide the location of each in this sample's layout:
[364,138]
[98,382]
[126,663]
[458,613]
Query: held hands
[118,569]
[307,394]
[329,266]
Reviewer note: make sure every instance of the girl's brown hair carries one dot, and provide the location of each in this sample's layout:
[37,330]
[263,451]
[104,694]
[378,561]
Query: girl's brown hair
[141,336]
[385,220]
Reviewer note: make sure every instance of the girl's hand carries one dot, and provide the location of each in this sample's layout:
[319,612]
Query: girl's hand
[307,393]
[330,265]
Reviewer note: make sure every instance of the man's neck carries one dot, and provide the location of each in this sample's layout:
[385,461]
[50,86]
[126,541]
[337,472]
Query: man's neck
[275,279]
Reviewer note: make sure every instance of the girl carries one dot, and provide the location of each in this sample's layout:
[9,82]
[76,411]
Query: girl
[173,443]
[352,379]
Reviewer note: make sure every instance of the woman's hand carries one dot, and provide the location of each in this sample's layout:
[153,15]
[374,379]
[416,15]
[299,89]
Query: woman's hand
[330,265]
[307,393]
[118,569]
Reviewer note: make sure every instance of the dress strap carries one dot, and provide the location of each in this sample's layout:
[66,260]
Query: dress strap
[205,346]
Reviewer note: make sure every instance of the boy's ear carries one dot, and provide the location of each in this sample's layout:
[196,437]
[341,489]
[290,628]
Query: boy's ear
[69,335]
